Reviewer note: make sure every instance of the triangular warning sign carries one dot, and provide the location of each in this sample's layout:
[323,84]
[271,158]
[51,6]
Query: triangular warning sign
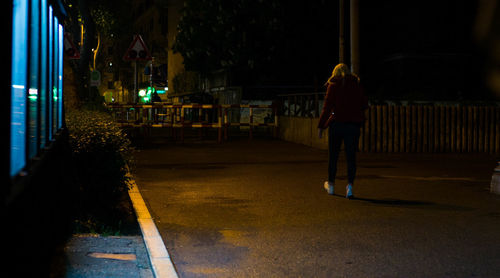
[137,51]
[69,47]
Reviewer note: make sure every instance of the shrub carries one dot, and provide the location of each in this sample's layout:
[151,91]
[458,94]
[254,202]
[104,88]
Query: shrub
[100,154]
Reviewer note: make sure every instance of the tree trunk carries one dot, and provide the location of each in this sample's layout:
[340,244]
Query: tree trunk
[81,66]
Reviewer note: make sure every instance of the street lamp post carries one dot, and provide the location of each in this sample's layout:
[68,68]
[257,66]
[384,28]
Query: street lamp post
[354,18]
[354,34]
[341,32]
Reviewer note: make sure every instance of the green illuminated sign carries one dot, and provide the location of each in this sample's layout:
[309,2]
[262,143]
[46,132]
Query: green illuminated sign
[145,95]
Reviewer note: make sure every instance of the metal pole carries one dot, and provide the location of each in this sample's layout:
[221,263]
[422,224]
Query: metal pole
[151,73]
[135,81]
[341,32]
[354,9]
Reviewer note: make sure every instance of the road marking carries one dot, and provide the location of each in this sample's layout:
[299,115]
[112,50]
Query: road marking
[158,255]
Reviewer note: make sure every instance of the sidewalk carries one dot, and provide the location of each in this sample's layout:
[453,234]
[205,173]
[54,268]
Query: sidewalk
[89,255]
[141,256]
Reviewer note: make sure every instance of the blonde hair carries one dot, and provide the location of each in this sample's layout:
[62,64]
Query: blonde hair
[340,71]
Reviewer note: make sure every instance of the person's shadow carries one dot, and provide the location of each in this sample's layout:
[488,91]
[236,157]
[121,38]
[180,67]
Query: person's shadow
[411,204]
[394,202]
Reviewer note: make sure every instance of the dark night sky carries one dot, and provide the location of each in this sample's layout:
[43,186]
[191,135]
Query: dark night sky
[419,47]
[417,26]
[407,47]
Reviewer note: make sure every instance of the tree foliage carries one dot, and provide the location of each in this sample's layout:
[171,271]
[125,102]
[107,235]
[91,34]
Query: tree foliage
[97,18]
[228,34]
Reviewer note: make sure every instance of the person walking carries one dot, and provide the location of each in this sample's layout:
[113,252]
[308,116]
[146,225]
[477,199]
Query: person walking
[343,115]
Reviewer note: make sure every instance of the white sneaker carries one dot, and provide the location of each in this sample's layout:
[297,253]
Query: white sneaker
[329,187]
[349,194]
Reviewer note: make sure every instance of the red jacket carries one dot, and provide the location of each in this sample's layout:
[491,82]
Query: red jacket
[345,102]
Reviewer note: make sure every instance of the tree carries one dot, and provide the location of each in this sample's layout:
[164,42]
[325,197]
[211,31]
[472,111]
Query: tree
[222,34]
[99,18]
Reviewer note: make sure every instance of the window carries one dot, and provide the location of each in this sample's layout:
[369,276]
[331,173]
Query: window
[50,79]
[19,71]
[60,48]
[36,82]
[55,74]
[34,78]
[44,52]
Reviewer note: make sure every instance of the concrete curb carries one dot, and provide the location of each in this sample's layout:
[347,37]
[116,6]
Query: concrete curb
[161,263]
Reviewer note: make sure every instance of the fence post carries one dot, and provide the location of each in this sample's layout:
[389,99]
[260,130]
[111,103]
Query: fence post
[486,126]
[391,129]
[414,129]
[459,128]
[226,122]
[251,124]
[436,128]
[396,128]
[182,124]
[408,129]
[465,141]
[452,128]
[402,129]
[379,128]
[425,127]
[481,129]
[492,129]
[384,128]
[470,128]
[497,129]
[447,129]
[373,128]
[442,127]
[475,129]
[366,131]
[420,127]
[219,124]
[276,119]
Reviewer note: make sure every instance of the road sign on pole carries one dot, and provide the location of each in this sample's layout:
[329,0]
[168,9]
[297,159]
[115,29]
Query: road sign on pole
[137,51]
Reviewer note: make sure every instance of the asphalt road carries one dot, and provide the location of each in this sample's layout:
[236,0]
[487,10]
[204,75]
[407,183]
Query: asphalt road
[258,209]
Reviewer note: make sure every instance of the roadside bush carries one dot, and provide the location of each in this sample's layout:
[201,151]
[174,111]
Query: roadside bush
[100,154]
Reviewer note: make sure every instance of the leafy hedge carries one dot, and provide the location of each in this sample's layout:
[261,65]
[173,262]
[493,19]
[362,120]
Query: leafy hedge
[100,154]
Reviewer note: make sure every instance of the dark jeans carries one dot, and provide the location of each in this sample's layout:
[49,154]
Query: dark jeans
[349,134]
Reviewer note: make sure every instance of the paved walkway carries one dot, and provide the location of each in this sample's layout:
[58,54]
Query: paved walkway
[104,257]
[141,256]
[258,209]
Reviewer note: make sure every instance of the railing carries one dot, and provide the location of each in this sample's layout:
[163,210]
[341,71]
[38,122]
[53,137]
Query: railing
[415,127]
[431,128]
[302,105]
[180,116]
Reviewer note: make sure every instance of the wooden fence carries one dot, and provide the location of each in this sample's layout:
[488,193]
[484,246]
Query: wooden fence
[431,128]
